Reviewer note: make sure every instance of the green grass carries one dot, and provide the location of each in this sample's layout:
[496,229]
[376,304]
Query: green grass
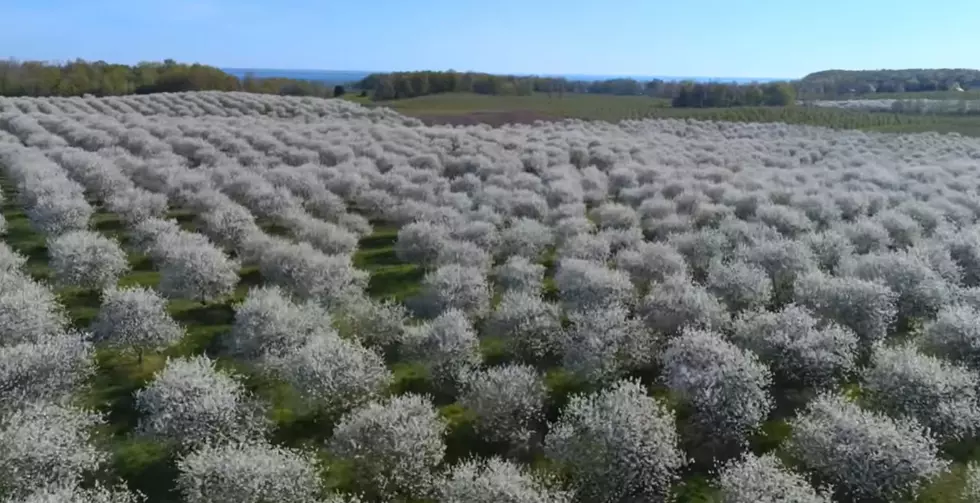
[616,108]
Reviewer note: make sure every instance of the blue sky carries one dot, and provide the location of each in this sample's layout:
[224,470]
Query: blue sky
[723,38]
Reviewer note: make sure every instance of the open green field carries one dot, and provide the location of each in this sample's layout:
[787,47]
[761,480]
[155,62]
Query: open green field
[458,108]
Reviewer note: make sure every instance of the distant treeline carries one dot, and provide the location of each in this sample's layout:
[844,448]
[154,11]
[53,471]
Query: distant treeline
[76,78]
[832,83]
[398,85]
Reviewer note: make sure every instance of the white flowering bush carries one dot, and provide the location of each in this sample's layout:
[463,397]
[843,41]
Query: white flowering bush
[494,480]
[868,308]
[677,302]
[198,272]
[800,349]
[739,285]
[531,326]
[333,373]
[28,310]
[268,322]
[378,324]
[583,285]
[394,447]
[726,388]
[247,472]
[63,492]
[519,273]
[971,490]
[651,261]
[764,479]
[942,396]
[525,237]
[955,335]
[191,403]
[602,344]
[454,287]
[44,443]
[47,369]
[86,259]
[507,401]
[447,345]
[134,317]
[921,291]
[12,261]
[865,454]
[617,444]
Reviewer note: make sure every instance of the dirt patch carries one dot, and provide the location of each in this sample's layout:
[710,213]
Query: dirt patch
[494,119]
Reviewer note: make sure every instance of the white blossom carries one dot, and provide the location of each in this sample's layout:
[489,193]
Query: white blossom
[866,454]
[617,444]
[190,402]
[394,447]
[86,259]
[247,472]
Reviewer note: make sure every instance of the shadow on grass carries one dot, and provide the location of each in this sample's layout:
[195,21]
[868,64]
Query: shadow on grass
[398,282]
[148,467]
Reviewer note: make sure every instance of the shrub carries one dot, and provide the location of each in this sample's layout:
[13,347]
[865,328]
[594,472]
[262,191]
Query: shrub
[135,317]
[587,285]
[763,479]
[726,388]
[508,402]
[617,444]
[28,310]
[603,343]
[971,490]
[615,216]
[463,253]
[739,285]
[829,248]
[651,262]
[250,472]
[200,272]
[799,348]
[865,307]
[677,302]
[783,260]
[43,444]
[12,261]
[525,237]
[393,447]
[62,492]
[376,323]
[943,397]
[955,335]
[921,291]
[308,273]
[590,247]
[332,372]
[531,326]
[86,259]
[49,368]
[447,345]
[519,273]
[270,323]
[495,480]
[455,287]
[865,454]
[191,403]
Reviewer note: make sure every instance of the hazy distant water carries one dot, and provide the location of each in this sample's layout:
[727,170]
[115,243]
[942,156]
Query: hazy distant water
[345,76]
